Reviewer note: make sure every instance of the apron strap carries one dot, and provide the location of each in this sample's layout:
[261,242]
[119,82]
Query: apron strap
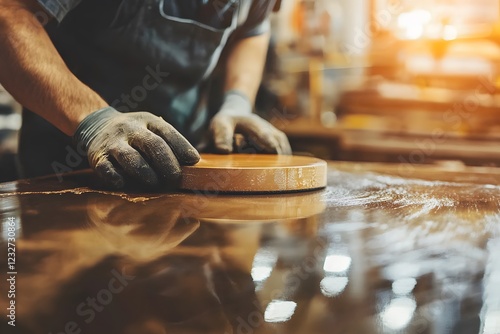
[244,11]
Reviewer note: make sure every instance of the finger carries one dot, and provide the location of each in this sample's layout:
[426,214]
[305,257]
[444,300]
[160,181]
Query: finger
[284,144]
[108,173]
[185,152]
[134,165]
[222,130]
[159,154]
[261,134]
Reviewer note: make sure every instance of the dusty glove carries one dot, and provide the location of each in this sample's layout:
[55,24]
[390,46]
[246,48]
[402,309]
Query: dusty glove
[137,146]
[236,117]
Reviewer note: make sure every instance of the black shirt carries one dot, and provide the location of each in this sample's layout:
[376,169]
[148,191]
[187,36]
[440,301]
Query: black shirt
[215,13]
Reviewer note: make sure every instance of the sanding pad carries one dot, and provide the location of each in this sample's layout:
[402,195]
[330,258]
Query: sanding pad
[254,173]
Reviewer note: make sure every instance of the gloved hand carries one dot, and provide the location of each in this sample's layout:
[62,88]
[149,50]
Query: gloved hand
[236,117]
[138,146]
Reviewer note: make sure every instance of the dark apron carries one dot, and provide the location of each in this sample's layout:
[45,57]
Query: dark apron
[137,58]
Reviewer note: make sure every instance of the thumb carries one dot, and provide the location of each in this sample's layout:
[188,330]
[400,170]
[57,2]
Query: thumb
[222,129]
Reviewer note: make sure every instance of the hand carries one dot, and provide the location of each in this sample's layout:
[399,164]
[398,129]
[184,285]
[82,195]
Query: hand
[137,146]
[236,117]
[143,232]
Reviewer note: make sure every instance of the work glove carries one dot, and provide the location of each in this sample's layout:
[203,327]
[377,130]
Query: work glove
[137,147]
[236,120]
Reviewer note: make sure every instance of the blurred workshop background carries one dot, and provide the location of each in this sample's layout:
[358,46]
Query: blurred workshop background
[405,81]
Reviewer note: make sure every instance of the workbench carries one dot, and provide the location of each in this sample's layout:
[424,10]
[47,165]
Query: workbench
[383,249]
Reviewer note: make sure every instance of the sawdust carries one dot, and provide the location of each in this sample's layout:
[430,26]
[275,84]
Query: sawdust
[80,191]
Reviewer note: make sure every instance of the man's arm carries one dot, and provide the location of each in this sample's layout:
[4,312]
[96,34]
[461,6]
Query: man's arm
[246,65]
[34,73]
[244,74]
[137,145]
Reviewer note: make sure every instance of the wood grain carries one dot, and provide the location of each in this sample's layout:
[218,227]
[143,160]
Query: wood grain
[254,173]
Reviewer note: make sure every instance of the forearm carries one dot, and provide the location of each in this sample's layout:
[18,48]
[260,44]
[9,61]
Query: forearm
[246,65]
[34,73]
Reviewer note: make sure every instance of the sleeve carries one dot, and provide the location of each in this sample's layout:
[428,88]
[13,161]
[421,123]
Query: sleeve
[258,21]
[58,8]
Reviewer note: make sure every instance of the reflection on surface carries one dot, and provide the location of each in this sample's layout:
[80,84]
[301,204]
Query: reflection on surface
[403,286]
[373,253]
[263,264]
[279,311]
[144,232]
[398,313]
[337,263]
[333,286]
[491,309]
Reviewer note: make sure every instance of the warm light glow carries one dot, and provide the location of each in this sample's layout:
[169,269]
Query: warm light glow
[279,311]
[404,286]
[263,264]
[449,33]
[413,23]
[414,32]
[260,274]
[333,286]
[337,263]
[398,314]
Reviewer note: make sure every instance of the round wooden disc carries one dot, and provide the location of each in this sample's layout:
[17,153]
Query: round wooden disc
[254,173]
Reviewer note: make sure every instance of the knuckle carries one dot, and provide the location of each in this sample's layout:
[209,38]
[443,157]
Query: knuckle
[142,115]
[152,142]
[216,124]
[166,128]
[257,119]
[279,133]
[144,139]
[120,130]
[282,136]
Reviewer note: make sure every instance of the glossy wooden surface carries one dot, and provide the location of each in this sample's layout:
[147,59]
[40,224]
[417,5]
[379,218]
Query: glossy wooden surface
[254,173]
[383,249]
